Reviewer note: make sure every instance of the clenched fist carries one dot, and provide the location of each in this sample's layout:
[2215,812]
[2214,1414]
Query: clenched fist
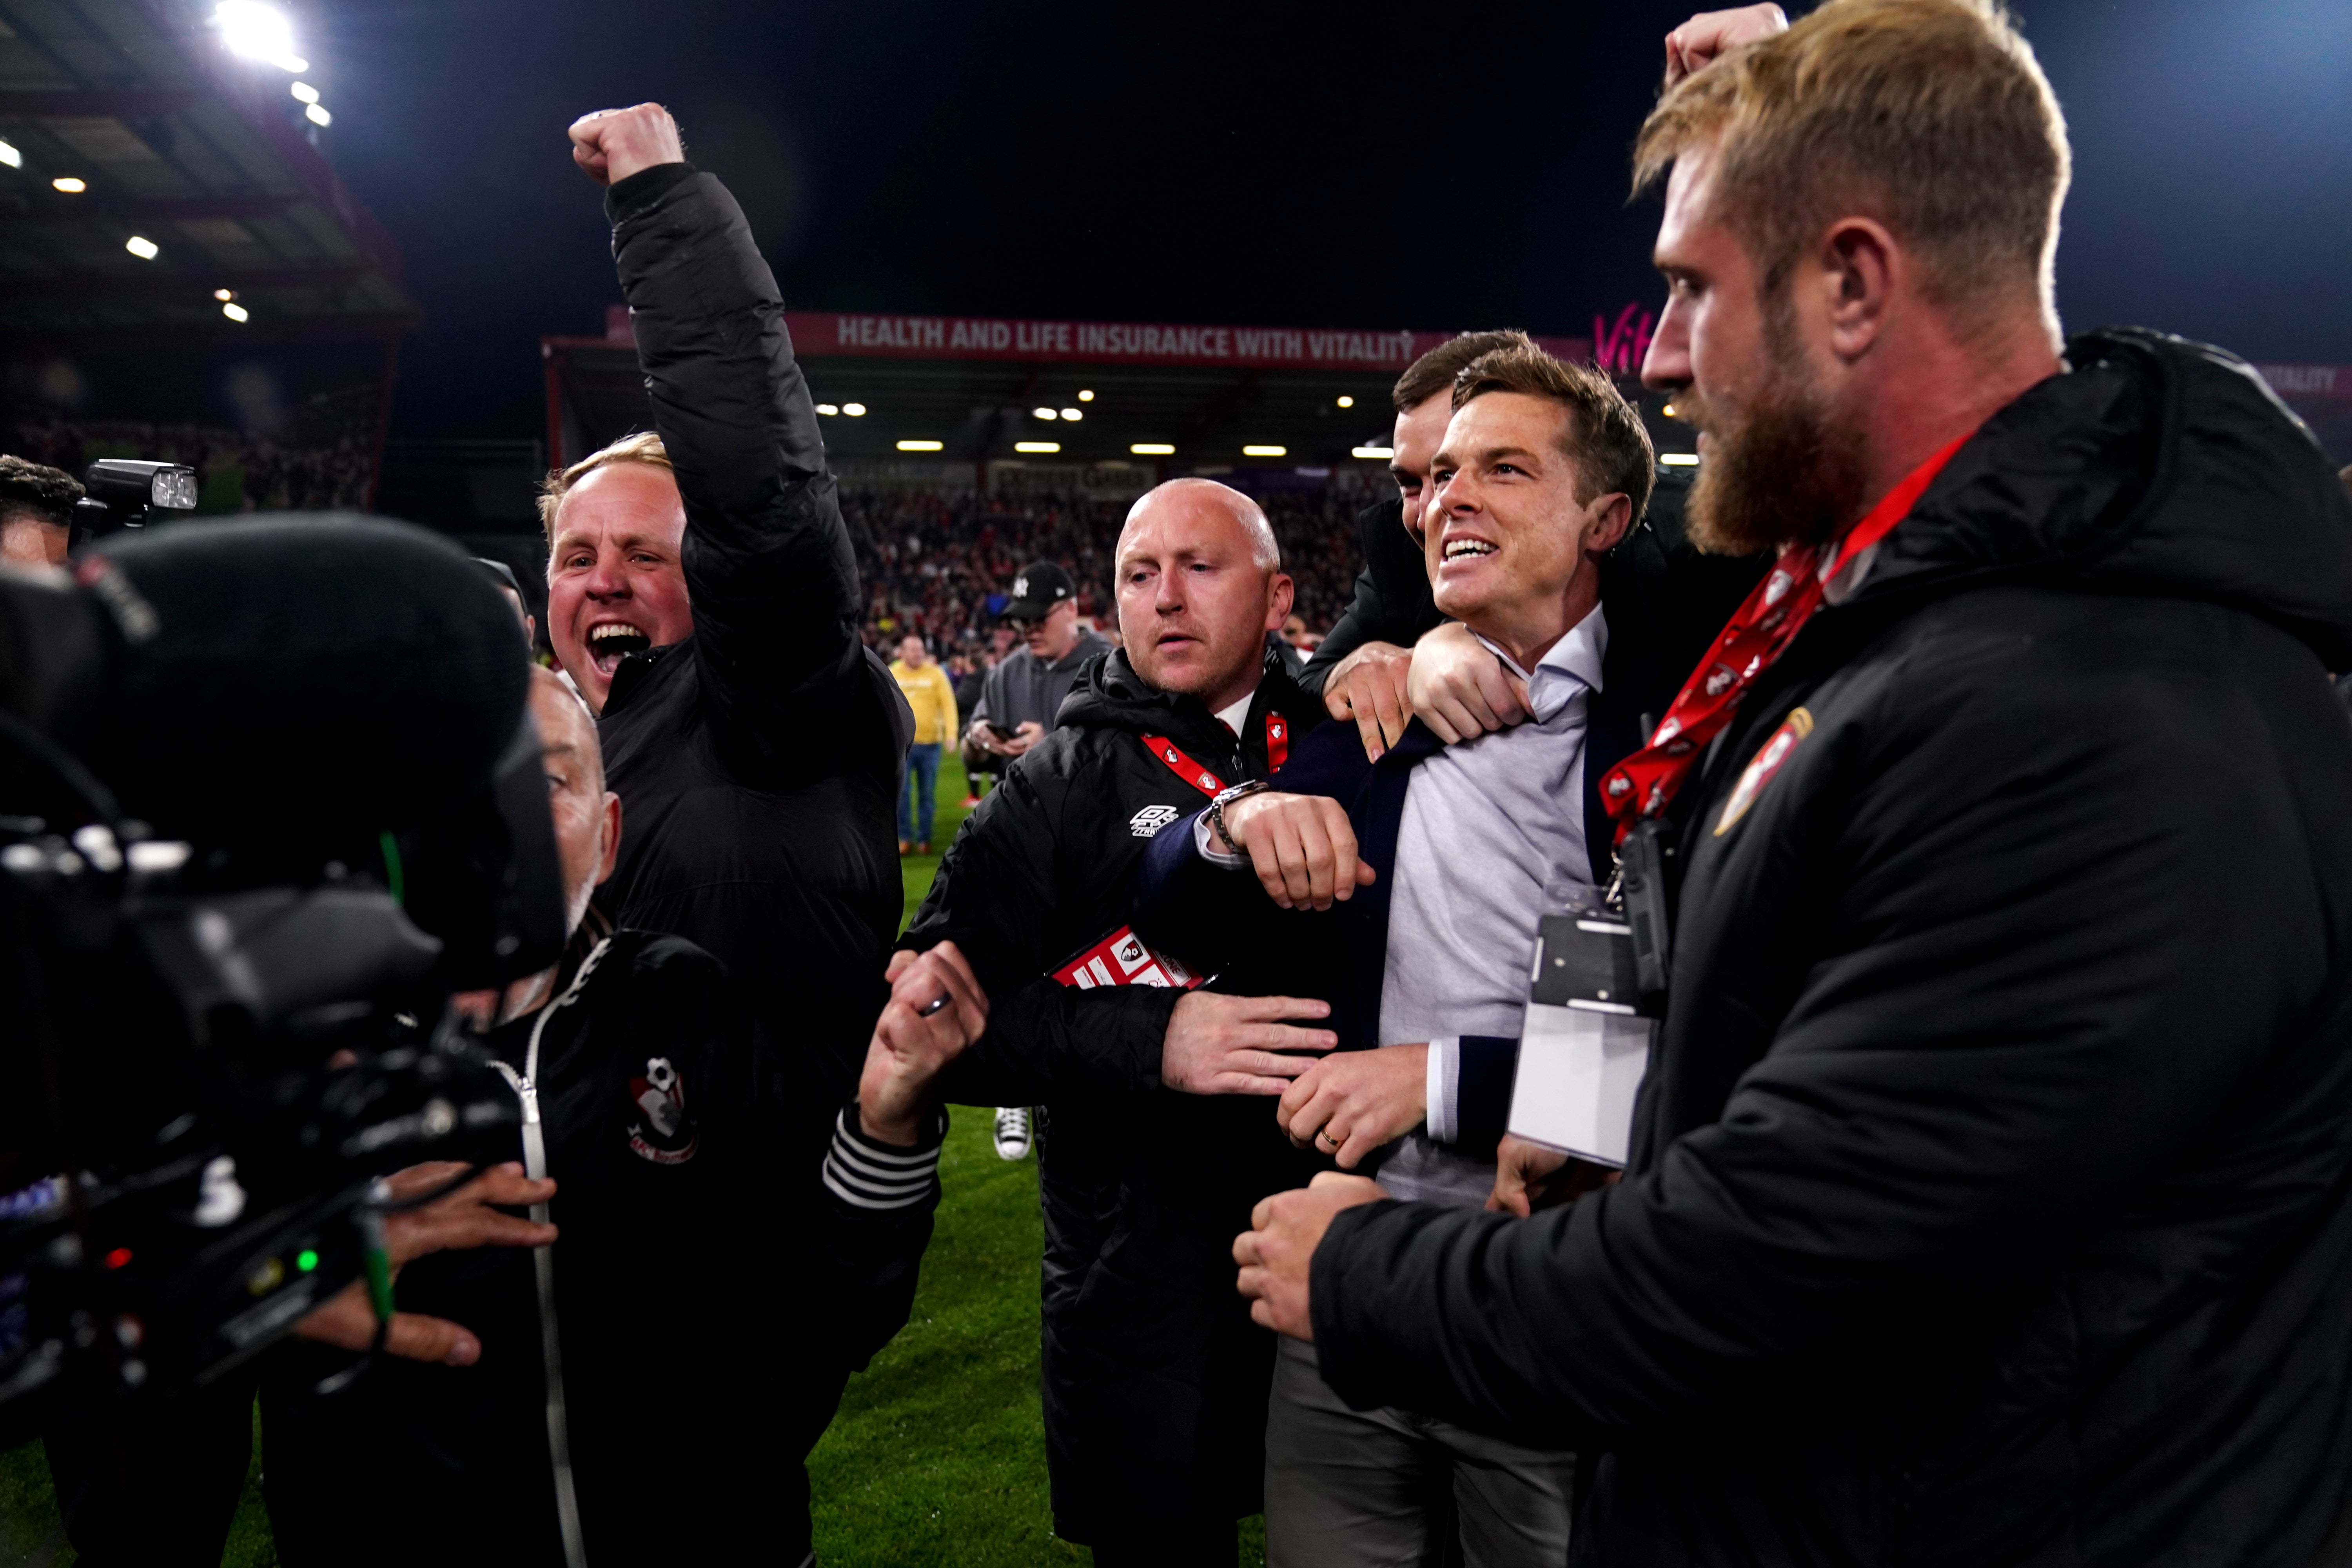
[614,143]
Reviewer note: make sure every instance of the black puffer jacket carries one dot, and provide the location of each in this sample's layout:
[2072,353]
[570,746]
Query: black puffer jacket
[756,761]
[1155,1378]
[1991,1195]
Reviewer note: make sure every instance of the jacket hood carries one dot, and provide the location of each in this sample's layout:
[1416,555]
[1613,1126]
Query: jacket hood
[2154,466]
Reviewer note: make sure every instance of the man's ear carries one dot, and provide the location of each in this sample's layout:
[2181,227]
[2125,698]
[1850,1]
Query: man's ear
[608,849]
[1613,519]
[1860,267]
[1279,593]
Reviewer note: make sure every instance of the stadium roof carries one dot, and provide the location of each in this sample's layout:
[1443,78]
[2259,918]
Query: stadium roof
[989,390]
[199,171]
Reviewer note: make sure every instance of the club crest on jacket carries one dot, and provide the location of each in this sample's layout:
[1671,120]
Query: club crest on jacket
[662,1130]
[1763,766]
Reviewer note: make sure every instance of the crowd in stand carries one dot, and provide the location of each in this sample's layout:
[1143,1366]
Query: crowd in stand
[234,472]
[942,562]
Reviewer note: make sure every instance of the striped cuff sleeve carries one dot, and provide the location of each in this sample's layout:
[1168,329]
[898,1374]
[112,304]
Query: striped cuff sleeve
[866,1174]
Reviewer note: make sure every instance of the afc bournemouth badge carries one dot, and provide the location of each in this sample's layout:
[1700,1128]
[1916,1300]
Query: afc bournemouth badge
[661,1130]
[1763,766]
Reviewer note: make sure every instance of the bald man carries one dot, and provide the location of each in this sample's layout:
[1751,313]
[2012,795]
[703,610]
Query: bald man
[1159,1117]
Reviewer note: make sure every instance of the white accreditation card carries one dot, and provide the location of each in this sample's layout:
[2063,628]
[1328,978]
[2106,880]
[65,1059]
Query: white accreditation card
[1583,1048]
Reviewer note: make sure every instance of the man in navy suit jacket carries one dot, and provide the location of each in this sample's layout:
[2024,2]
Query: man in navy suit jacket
[1533,544]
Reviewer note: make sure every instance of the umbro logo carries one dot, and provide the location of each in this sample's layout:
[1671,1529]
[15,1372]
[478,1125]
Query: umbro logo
[1147,822]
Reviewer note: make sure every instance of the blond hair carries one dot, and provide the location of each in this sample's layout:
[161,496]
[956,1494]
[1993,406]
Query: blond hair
[1931,116]
[646,447]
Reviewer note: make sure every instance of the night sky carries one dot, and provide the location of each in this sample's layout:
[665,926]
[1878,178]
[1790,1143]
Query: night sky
[1369,166]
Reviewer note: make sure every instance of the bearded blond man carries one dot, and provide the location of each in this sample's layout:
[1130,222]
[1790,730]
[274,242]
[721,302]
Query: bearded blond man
[1987,1196]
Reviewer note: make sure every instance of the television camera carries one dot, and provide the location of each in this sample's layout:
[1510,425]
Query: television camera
[270,793]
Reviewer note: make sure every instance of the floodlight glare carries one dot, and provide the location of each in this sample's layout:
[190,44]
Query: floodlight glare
[224,295]
[304,92]
[1072,413]
[235,311]
[1679,460]
[144,248]
[1668,411]
[70,186]
[1346,401]
[922,446]
[10,156]
[1265,451]
[1036,445]
[1372,454]
[1152,450]
[258,32]
[1044,413]
[1086,397]
[317,115]
[826,408]
[855,410]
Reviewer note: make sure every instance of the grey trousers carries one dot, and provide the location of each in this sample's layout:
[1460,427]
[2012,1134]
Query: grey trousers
[1366,1488]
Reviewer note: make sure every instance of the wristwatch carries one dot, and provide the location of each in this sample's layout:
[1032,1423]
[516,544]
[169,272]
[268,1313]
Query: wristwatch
[1217,809]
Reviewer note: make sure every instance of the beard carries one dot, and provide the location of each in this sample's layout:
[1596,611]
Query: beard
[1784,470]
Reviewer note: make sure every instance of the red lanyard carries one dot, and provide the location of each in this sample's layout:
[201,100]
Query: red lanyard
[1277,751]
[1644,783]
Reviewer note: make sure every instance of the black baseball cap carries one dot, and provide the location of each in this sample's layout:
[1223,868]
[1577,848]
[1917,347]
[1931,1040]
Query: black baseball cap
[1040,586]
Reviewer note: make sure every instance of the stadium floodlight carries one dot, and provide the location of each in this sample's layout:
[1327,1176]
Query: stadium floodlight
[235,311]
[1265,451]
[1044,413]
[317,115]
[1679,460]
[1072,413]
[1669,412]
[69,185]
[826,408]
[1346,401]
[1152,450]
[1372,454]
[144,248]
[304,92]
[1036,445]
[224,295]
[855,410]
[922,446]
[10,156]
[1084,395]
[258,32]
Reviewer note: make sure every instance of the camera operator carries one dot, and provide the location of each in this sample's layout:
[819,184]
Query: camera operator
[36,506]
[702,1268]
[703,594]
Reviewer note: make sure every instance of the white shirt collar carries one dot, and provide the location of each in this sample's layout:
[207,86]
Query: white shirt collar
[1571,665]
[1233,715]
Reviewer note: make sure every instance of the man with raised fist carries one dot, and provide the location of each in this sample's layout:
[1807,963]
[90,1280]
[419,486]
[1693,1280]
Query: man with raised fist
[703,594]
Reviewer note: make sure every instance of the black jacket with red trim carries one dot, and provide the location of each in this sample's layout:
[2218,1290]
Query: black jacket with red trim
[1155,1378]
[1990,1198]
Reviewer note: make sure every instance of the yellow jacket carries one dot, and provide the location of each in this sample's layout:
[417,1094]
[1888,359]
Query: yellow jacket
[932,695]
